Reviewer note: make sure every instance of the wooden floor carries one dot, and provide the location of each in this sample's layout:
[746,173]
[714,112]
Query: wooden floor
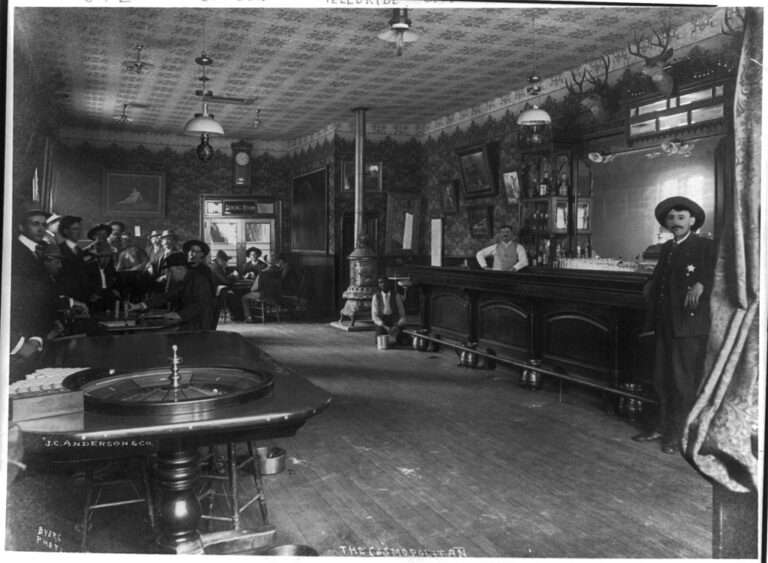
[417,455]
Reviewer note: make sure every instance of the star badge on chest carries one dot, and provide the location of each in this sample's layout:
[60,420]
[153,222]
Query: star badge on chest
[690,268]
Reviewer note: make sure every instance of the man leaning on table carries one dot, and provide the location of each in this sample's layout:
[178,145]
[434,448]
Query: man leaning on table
[508,254]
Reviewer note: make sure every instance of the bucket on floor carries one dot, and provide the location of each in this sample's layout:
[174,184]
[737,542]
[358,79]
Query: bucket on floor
[271,459]
[382,342]
[291,550]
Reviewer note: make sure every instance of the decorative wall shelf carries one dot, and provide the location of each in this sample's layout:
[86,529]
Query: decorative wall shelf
[694,110]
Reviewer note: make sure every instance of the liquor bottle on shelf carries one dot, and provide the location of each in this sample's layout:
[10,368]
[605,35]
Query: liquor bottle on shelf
[545,257]
[545,185]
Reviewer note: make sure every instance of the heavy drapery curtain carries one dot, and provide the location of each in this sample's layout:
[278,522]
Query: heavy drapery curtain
[722,435]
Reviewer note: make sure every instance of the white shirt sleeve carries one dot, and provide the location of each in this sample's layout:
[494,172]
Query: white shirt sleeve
[484,253]
[522,258]
[375,313]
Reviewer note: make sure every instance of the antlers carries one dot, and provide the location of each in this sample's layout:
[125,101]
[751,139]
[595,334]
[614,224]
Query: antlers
[729,28]
[599,85]
[579,83]
[666,52]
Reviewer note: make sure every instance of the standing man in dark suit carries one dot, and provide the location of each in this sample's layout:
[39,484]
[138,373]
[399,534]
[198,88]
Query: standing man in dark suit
[28,327]
[678,310]
[34,302]
[74,276]
[103,291]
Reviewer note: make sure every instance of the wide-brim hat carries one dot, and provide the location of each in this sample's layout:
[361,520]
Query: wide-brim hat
[153,234]
[222,255]
[190,243]
[168,233]
[175,259]
[101,227]
[676,202]
[122,225]
[52,219]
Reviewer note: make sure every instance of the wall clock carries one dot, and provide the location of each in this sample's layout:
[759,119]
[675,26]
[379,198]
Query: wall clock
[241,163]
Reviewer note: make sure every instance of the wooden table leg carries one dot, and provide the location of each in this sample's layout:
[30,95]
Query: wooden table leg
[179,510]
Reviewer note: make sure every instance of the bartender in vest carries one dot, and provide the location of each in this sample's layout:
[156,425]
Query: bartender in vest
[508,254]
[388,312]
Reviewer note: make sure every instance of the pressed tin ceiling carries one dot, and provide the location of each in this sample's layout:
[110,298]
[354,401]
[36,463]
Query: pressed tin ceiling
[308,67]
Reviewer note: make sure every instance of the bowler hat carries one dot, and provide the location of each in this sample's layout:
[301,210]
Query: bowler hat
[677,202]
[168,233]
[101,227]
[222,255]
[175,259]
[190,243]
[154,234]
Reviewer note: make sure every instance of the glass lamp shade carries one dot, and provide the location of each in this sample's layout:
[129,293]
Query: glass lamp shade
[203,123]
[534,117]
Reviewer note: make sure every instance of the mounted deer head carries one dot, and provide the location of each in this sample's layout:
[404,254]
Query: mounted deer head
[594,100]
[654,66]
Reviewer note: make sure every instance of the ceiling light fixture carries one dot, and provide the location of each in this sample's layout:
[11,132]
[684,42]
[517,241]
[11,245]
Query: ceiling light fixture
[535,120]
[204,124]
[399,31]
[138,66]
[122,118]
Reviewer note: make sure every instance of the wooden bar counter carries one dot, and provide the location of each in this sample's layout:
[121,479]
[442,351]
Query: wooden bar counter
[586,323]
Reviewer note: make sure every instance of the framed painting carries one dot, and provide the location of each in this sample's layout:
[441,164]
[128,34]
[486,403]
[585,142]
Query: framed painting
[309,212]
[512,186]
[132,194]
[449,200]
[480,221]
[372,173]
[477,178]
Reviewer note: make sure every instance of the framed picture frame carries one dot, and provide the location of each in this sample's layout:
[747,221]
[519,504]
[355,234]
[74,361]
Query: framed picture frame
[477,177]
[309,212]
[372,176]
[134,194]
[480,221]
[512,186]
[449,198]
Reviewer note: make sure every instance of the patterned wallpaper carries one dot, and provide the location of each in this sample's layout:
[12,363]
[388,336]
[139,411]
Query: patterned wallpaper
[80,184]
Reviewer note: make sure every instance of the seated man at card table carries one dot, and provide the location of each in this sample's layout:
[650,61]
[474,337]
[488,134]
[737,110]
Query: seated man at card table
[189,296]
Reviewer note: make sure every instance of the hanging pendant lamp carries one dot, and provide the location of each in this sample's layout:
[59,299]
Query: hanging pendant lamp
[534,121]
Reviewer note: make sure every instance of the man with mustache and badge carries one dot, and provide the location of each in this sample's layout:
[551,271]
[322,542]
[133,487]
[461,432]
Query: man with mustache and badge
[678,311]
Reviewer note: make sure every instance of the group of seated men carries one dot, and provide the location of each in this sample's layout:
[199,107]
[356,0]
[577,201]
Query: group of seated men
[59,284]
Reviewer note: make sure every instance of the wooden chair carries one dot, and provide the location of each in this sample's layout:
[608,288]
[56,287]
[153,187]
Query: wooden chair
[221,311]
[220,473]
[293,302]
[103,488]
[269,302]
